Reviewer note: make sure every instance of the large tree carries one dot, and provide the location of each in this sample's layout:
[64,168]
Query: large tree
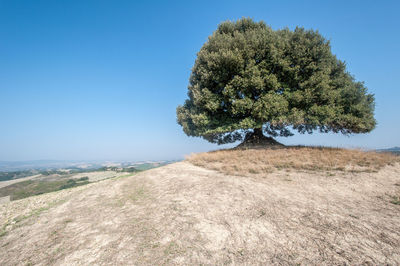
[249,80]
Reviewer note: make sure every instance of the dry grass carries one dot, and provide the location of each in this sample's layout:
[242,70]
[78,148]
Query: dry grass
[263,161]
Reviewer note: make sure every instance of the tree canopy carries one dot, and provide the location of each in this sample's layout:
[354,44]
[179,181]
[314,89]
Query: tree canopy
[249,77]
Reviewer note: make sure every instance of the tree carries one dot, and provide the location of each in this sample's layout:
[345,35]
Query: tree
[249,80]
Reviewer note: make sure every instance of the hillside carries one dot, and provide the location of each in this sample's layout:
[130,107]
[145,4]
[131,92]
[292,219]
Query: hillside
[395,150]
[21,184]
[186,214]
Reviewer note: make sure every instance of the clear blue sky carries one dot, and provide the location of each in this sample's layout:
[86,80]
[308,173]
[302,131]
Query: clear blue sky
[100,80]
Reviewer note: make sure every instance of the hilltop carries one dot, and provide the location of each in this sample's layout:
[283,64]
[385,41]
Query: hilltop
[184,213]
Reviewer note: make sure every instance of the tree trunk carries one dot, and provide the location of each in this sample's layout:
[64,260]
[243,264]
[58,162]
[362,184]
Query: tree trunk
[258,134]
[256,139]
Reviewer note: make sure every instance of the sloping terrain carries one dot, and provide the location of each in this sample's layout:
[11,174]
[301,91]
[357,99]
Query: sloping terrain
[185,214]
[39,184]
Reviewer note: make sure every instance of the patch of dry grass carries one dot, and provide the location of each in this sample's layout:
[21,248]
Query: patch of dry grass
[263,161]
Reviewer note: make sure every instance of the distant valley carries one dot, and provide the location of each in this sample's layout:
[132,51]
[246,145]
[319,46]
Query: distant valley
[24,179]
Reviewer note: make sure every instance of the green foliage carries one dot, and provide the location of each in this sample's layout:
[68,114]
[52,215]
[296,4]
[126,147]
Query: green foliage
[395,200]
[69,184]
[119,169]
[249,76]
[54,172]
[130,170]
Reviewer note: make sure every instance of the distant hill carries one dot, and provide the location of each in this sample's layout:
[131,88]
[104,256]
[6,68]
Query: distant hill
[395,150]
[35,164]
[12,166]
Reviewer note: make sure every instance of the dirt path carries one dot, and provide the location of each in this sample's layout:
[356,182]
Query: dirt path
[183,214]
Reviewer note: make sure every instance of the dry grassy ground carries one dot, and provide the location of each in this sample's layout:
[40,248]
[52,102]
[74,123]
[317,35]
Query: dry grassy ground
[264,161]
[185,214]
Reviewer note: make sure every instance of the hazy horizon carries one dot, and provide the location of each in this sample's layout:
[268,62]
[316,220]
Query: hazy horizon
[101,80]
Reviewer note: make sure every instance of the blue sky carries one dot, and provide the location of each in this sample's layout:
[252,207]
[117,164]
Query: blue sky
[100,80]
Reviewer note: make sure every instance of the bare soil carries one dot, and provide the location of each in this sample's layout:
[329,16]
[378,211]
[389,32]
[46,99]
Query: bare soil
[184,214]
